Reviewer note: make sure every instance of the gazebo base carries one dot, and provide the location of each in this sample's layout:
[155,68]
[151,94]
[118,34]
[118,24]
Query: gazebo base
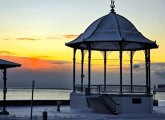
[4,113]
[127,103]
[78,101]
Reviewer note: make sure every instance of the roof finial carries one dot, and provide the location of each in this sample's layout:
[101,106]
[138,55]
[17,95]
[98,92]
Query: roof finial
[112,6]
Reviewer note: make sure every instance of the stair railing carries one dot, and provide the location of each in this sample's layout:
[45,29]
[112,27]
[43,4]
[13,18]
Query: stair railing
[111,100]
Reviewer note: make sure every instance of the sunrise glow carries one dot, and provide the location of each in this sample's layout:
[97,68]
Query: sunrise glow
[39,30]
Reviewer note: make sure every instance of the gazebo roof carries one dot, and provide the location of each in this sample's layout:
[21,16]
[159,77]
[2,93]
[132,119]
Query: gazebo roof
[107,32]
[7,64]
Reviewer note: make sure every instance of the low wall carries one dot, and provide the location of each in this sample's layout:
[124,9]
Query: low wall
[35,102]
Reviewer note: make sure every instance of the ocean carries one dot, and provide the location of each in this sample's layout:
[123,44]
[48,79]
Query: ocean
[48,94]
[39,94]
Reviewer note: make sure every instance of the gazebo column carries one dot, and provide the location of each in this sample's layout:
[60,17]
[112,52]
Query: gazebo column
[149,72]
[4,112]
[105,69]
[121,77]
[74,69]
[82,68]
[89,68]
[131,75]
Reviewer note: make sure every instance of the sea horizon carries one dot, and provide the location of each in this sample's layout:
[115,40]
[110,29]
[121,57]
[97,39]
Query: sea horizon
[48,94]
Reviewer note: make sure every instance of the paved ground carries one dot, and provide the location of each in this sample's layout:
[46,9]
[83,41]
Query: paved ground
[23,113]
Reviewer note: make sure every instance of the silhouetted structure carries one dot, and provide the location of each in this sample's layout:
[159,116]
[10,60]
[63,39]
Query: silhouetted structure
[4,65]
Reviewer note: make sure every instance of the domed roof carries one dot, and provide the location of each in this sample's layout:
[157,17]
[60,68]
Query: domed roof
[108,32]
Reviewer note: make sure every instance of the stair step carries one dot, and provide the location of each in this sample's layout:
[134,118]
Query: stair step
[115,113]
[104,100]
[106,103]
[112,110]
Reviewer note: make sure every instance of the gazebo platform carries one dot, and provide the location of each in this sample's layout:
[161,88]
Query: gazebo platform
[112,102]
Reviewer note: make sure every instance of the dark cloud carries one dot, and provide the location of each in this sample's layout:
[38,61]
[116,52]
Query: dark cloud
[58,74]
[159,69]
[136,66]
[162,64]
[46,73]
[44,79]
[31,39]
[161,74]
[60,62]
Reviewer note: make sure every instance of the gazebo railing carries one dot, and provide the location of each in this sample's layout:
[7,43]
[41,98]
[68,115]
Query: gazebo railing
[94,89]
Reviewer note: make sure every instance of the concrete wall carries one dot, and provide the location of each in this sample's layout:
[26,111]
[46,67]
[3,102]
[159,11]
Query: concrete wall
[144,106]
[78,101]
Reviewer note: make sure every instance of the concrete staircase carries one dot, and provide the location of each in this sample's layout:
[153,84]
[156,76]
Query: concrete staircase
[106,102]
[103,104]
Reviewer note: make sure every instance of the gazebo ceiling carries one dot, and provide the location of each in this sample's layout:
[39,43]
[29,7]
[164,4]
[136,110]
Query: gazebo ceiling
[108,32]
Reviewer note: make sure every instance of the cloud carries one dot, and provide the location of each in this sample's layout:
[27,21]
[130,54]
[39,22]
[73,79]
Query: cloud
[31,39]
[6,39]
[22,38]
[43,79]
[70,36]
[159,69]
[158,64]
[39,64]
[52,38]
[42,56]
[6,52]
[56,37]
[161,74]
[47,73]
[56,73]
[136,66]
[67,36]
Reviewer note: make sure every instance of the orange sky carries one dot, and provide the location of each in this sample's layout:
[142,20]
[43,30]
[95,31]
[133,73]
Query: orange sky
[35,33]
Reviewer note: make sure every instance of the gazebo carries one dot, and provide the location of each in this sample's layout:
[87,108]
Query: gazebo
[112,32]
[4,65]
